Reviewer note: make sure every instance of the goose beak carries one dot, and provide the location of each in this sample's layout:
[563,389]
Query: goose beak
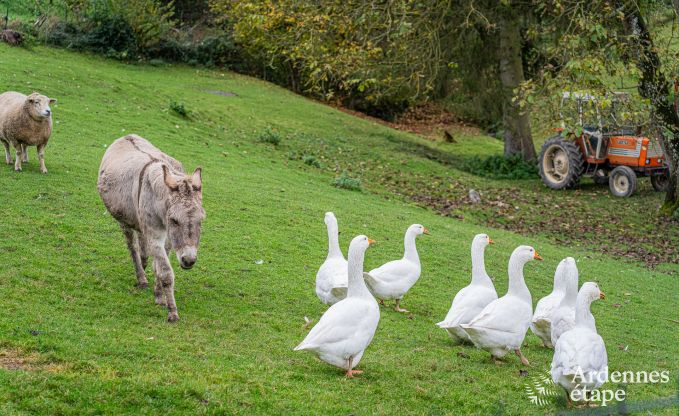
[490,241]
[426,231]
[602,295]
[536,256]
[371,241]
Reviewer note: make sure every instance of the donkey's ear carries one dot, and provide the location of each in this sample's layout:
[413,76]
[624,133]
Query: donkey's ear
[169,180]
[197,179]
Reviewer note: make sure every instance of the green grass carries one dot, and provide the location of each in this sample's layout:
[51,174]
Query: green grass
[85,341]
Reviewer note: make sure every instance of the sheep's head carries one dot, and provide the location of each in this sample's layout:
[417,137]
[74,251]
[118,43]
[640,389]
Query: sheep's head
[38,106]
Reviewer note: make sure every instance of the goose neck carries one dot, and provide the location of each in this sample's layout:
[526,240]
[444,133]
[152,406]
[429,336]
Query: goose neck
[333,241]
[479,275]
[356,284]
[517,285]
[410,252]
[583,314]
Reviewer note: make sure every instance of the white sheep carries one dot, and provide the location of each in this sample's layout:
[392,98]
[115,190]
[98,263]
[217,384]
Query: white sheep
[25,121]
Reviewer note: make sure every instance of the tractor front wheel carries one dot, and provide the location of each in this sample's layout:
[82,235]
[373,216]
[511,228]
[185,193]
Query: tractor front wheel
[622,181]
[561,163]
[661,183]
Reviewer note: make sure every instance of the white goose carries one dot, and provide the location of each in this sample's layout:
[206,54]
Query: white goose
[580,359]
[541,325]
[331,279]
[563,318]
[501,326]
[392,280]
[346,329]
[471,299]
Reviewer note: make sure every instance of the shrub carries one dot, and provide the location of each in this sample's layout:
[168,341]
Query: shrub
[179,109]
[112,36]
[270,136]
[501,167]
[311,161]
[346,182]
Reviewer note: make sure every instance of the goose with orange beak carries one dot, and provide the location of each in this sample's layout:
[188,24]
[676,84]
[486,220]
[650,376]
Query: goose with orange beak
[394,279]
[502,324]
[471,299]
[580,362]
[346,329]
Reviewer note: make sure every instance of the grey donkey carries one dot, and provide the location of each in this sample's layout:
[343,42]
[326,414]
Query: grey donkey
[159,209]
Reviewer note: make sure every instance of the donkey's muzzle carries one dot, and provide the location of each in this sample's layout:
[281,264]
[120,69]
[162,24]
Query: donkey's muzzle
[187,257]
[187,262]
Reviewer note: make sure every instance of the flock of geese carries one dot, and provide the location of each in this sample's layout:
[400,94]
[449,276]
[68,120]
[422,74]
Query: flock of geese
[562,320]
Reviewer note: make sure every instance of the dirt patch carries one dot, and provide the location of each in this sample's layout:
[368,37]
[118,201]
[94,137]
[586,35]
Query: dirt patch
[429,120]
[17,360]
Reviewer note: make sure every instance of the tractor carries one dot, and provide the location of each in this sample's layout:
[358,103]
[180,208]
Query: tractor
[598,146]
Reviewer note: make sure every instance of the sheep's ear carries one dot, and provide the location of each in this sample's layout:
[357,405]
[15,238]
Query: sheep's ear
[53,100]
[197,179]
[169,180]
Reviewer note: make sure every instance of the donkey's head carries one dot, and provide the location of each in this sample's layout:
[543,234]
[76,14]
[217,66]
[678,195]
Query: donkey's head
[184,215]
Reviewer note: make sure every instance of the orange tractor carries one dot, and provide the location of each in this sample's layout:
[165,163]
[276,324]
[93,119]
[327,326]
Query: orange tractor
[604,150]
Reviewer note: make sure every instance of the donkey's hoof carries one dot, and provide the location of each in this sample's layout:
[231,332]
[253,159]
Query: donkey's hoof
[172,317]
[143,286]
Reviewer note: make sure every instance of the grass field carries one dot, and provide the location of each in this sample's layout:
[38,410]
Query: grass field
[76,337]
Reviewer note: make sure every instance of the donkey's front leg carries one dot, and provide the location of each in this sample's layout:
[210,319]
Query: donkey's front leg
[165,274]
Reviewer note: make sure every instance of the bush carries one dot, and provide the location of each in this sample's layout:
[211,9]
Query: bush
[311,161]
[345,182]
[179,109]
[112,36]
[270,136]
[501,167]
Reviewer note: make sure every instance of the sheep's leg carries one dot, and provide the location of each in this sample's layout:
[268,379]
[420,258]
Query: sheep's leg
[24,153]
[133,246]
[41,156]
[17,156]
[8,154]
[165,274]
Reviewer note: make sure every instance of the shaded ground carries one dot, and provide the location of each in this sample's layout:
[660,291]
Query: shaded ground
[587,216]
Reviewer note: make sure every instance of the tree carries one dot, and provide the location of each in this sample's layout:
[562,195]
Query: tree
[515,121]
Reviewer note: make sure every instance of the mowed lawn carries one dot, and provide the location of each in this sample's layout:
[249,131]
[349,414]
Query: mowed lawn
[76,337]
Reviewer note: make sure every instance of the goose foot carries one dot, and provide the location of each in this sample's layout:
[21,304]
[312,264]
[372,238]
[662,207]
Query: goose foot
[524,361]
[350,373]
[398,308]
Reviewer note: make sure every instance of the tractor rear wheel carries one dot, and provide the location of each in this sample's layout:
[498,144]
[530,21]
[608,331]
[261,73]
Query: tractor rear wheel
[622,181]
[561,163]
[661,183]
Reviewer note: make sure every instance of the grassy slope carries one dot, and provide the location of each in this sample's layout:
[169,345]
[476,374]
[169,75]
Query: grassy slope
[103,347]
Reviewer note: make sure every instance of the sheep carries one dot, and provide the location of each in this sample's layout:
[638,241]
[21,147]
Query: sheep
[25,121]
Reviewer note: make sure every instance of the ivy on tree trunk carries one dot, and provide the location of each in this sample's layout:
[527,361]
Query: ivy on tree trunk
[655,86]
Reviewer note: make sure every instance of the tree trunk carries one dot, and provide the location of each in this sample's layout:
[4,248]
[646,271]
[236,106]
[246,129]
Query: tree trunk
[516,124]
[654,86]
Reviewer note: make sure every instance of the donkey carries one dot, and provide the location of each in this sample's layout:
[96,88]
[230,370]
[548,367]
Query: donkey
[159,208]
